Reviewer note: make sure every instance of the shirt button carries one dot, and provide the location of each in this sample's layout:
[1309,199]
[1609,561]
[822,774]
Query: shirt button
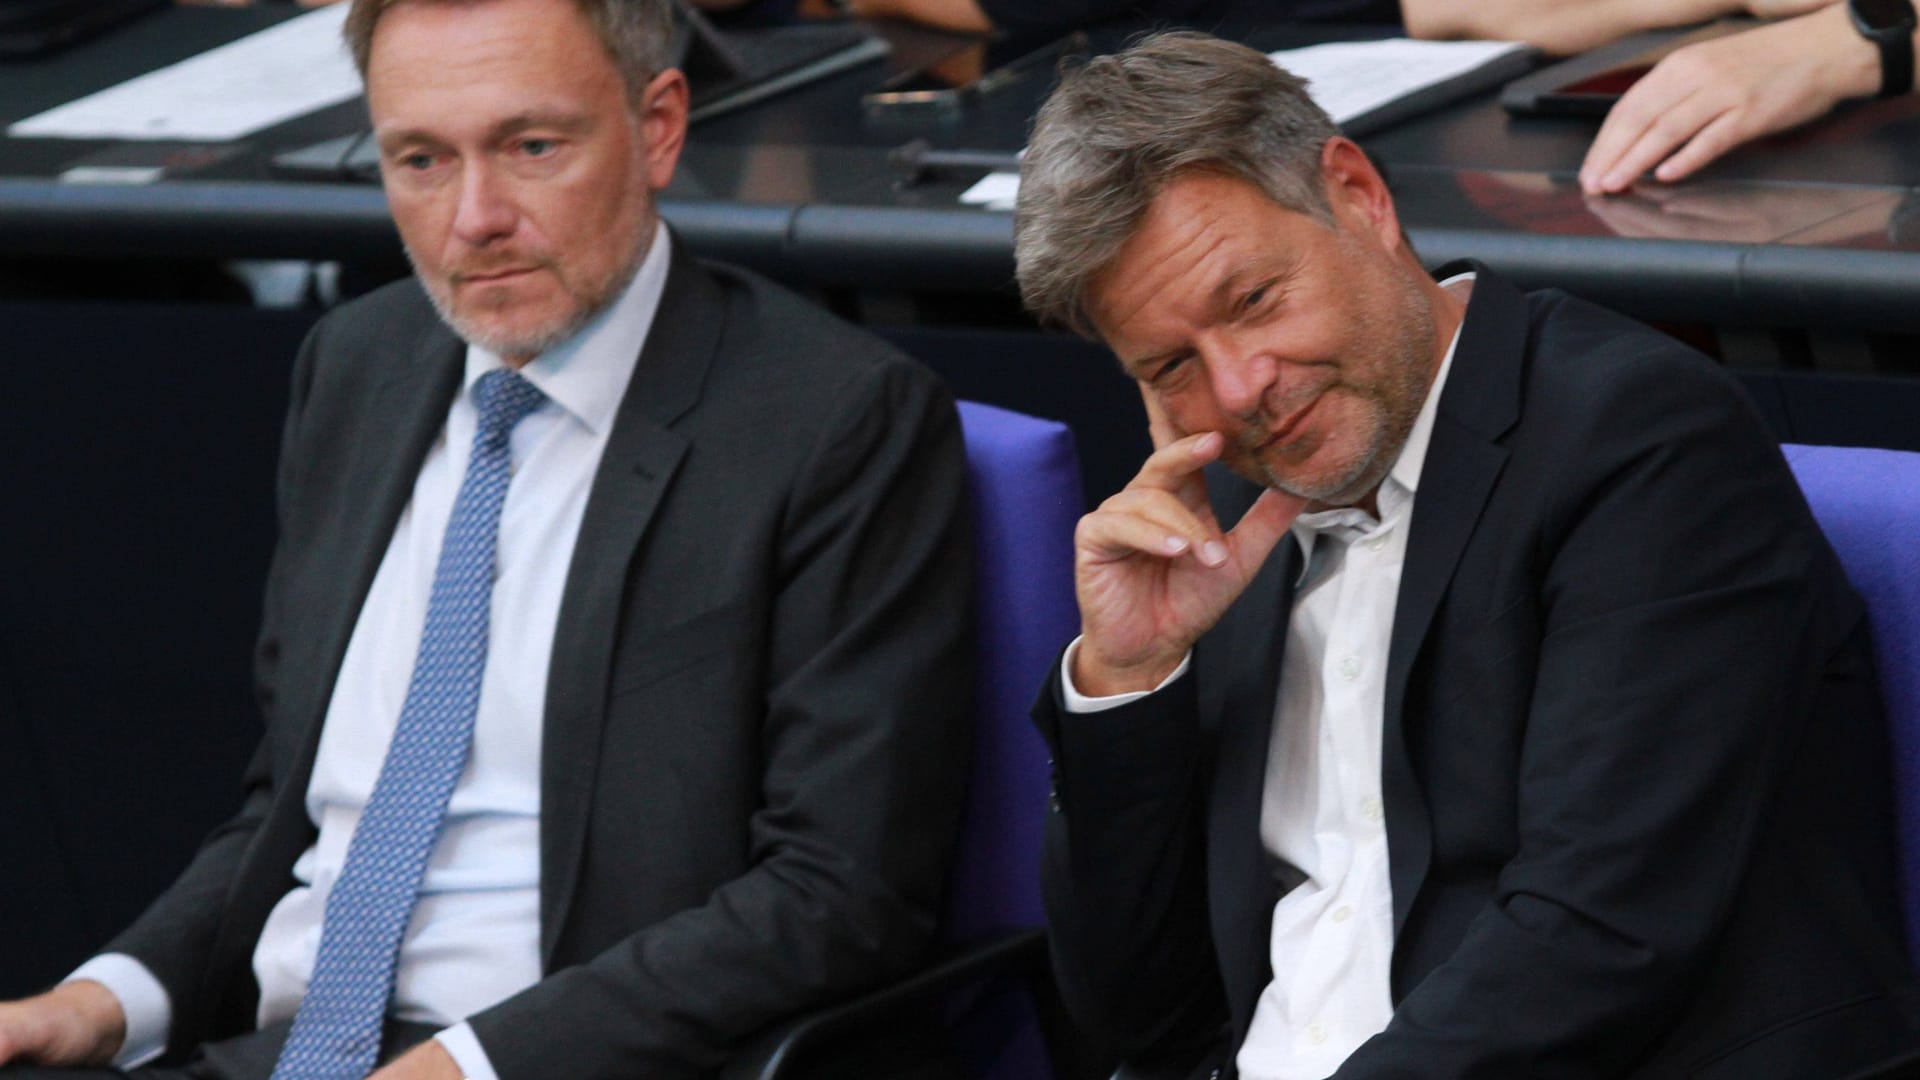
[1343,913]
[1376,543]
[1350,668]
[1316,1033]
[1371,809]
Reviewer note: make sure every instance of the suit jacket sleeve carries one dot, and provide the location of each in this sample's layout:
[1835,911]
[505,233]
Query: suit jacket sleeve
[864,740]
[1124,873]
[175,935]
[1690,604]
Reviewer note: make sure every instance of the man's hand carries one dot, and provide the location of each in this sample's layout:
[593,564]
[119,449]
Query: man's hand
[1153,571]
[76,1023]
[428,1061]
[1710,97]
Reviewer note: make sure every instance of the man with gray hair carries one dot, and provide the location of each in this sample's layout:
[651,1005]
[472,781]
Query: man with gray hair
[614,656]
[1521,724]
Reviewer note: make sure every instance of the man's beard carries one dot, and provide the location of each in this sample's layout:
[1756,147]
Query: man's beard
[1399,394]
[533,341]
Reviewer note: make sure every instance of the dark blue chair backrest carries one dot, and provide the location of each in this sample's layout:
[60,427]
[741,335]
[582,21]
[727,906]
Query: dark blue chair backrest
[1025,478]
[1868,504]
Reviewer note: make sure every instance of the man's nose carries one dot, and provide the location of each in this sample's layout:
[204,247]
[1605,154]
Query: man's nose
[1241,372]
[487,211]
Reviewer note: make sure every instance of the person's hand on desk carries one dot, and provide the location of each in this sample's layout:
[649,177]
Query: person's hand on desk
[76,1023]
[1708,98]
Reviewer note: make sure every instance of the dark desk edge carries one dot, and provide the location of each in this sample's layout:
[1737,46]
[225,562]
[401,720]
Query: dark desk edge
[947,250]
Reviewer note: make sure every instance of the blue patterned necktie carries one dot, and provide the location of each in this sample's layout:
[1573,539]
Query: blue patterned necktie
[336,1033]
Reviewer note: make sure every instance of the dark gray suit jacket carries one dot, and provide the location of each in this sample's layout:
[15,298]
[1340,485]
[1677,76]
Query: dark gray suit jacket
[1638,807]
[755,717]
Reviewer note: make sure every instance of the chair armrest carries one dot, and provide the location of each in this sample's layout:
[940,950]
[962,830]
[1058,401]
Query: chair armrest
[769,1054]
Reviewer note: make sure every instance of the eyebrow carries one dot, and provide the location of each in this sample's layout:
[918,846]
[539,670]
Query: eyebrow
[564,122]
[1262,266]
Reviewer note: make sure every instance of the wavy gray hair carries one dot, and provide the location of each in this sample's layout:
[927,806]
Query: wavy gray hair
[1119,128]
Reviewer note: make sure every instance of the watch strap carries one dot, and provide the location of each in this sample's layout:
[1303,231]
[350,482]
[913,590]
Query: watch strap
[1896,64]
[1895,43]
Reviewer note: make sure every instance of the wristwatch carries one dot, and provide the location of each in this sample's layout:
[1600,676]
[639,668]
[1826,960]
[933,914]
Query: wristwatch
[1890,25]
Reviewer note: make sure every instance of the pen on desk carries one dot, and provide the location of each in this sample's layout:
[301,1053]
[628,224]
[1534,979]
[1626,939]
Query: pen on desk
[1074,44]
[918,158]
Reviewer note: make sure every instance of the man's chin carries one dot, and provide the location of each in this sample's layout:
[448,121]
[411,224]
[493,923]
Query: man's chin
[519,343]
[520,337]
[1327,489]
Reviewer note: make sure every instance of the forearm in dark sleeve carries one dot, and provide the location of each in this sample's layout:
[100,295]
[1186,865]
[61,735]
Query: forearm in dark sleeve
[1124,872]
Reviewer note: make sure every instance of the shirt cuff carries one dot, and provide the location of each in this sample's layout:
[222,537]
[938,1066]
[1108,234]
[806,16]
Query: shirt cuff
[148,1007]
[1081,703]
[463,1046]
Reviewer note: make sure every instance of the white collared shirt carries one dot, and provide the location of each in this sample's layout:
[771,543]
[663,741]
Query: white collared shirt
[1322,811]
[474,938]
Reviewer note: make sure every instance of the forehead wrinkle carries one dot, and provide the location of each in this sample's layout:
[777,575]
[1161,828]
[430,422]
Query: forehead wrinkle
[1176,263]
[1181,308]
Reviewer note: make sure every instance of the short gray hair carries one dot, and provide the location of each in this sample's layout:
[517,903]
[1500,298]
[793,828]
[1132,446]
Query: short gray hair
[1119,128]
[637,34]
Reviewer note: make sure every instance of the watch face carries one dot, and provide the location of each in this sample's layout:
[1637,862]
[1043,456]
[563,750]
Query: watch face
[1883,14]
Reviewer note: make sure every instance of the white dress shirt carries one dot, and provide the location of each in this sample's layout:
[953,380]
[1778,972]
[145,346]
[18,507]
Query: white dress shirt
[1321,809]
[474,937]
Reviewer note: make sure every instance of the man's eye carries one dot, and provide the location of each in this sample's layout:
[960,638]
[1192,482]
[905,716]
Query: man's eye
[537,147]
[1252,299]
[1168,369]
[419,161]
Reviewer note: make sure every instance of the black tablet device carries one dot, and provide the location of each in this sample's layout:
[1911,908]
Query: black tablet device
[1589,84]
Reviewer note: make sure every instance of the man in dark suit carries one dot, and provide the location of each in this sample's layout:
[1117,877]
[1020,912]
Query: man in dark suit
[613,662]
[1523,725]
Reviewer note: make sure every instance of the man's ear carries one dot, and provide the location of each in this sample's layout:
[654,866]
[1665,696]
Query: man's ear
[663,125]
[1357,193]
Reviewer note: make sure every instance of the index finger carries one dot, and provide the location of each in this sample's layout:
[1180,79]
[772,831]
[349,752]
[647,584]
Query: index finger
[1622,128]
[1158,425]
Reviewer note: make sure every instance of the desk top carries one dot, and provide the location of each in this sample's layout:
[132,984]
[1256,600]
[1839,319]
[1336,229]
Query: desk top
[1819,227]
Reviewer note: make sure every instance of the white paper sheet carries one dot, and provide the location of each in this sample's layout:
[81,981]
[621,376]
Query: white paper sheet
[228,92]
[995,191]
[1346,78]
[1351,78]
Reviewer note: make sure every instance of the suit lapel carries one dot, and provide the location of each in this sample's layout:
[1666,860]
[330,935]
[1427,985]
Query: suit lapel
[1242,881]
[1479,404]
[643,453]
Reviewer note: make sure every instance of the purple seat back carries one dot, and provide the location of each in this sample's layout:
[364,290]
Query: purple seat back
[1025,479]
[1868,504]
